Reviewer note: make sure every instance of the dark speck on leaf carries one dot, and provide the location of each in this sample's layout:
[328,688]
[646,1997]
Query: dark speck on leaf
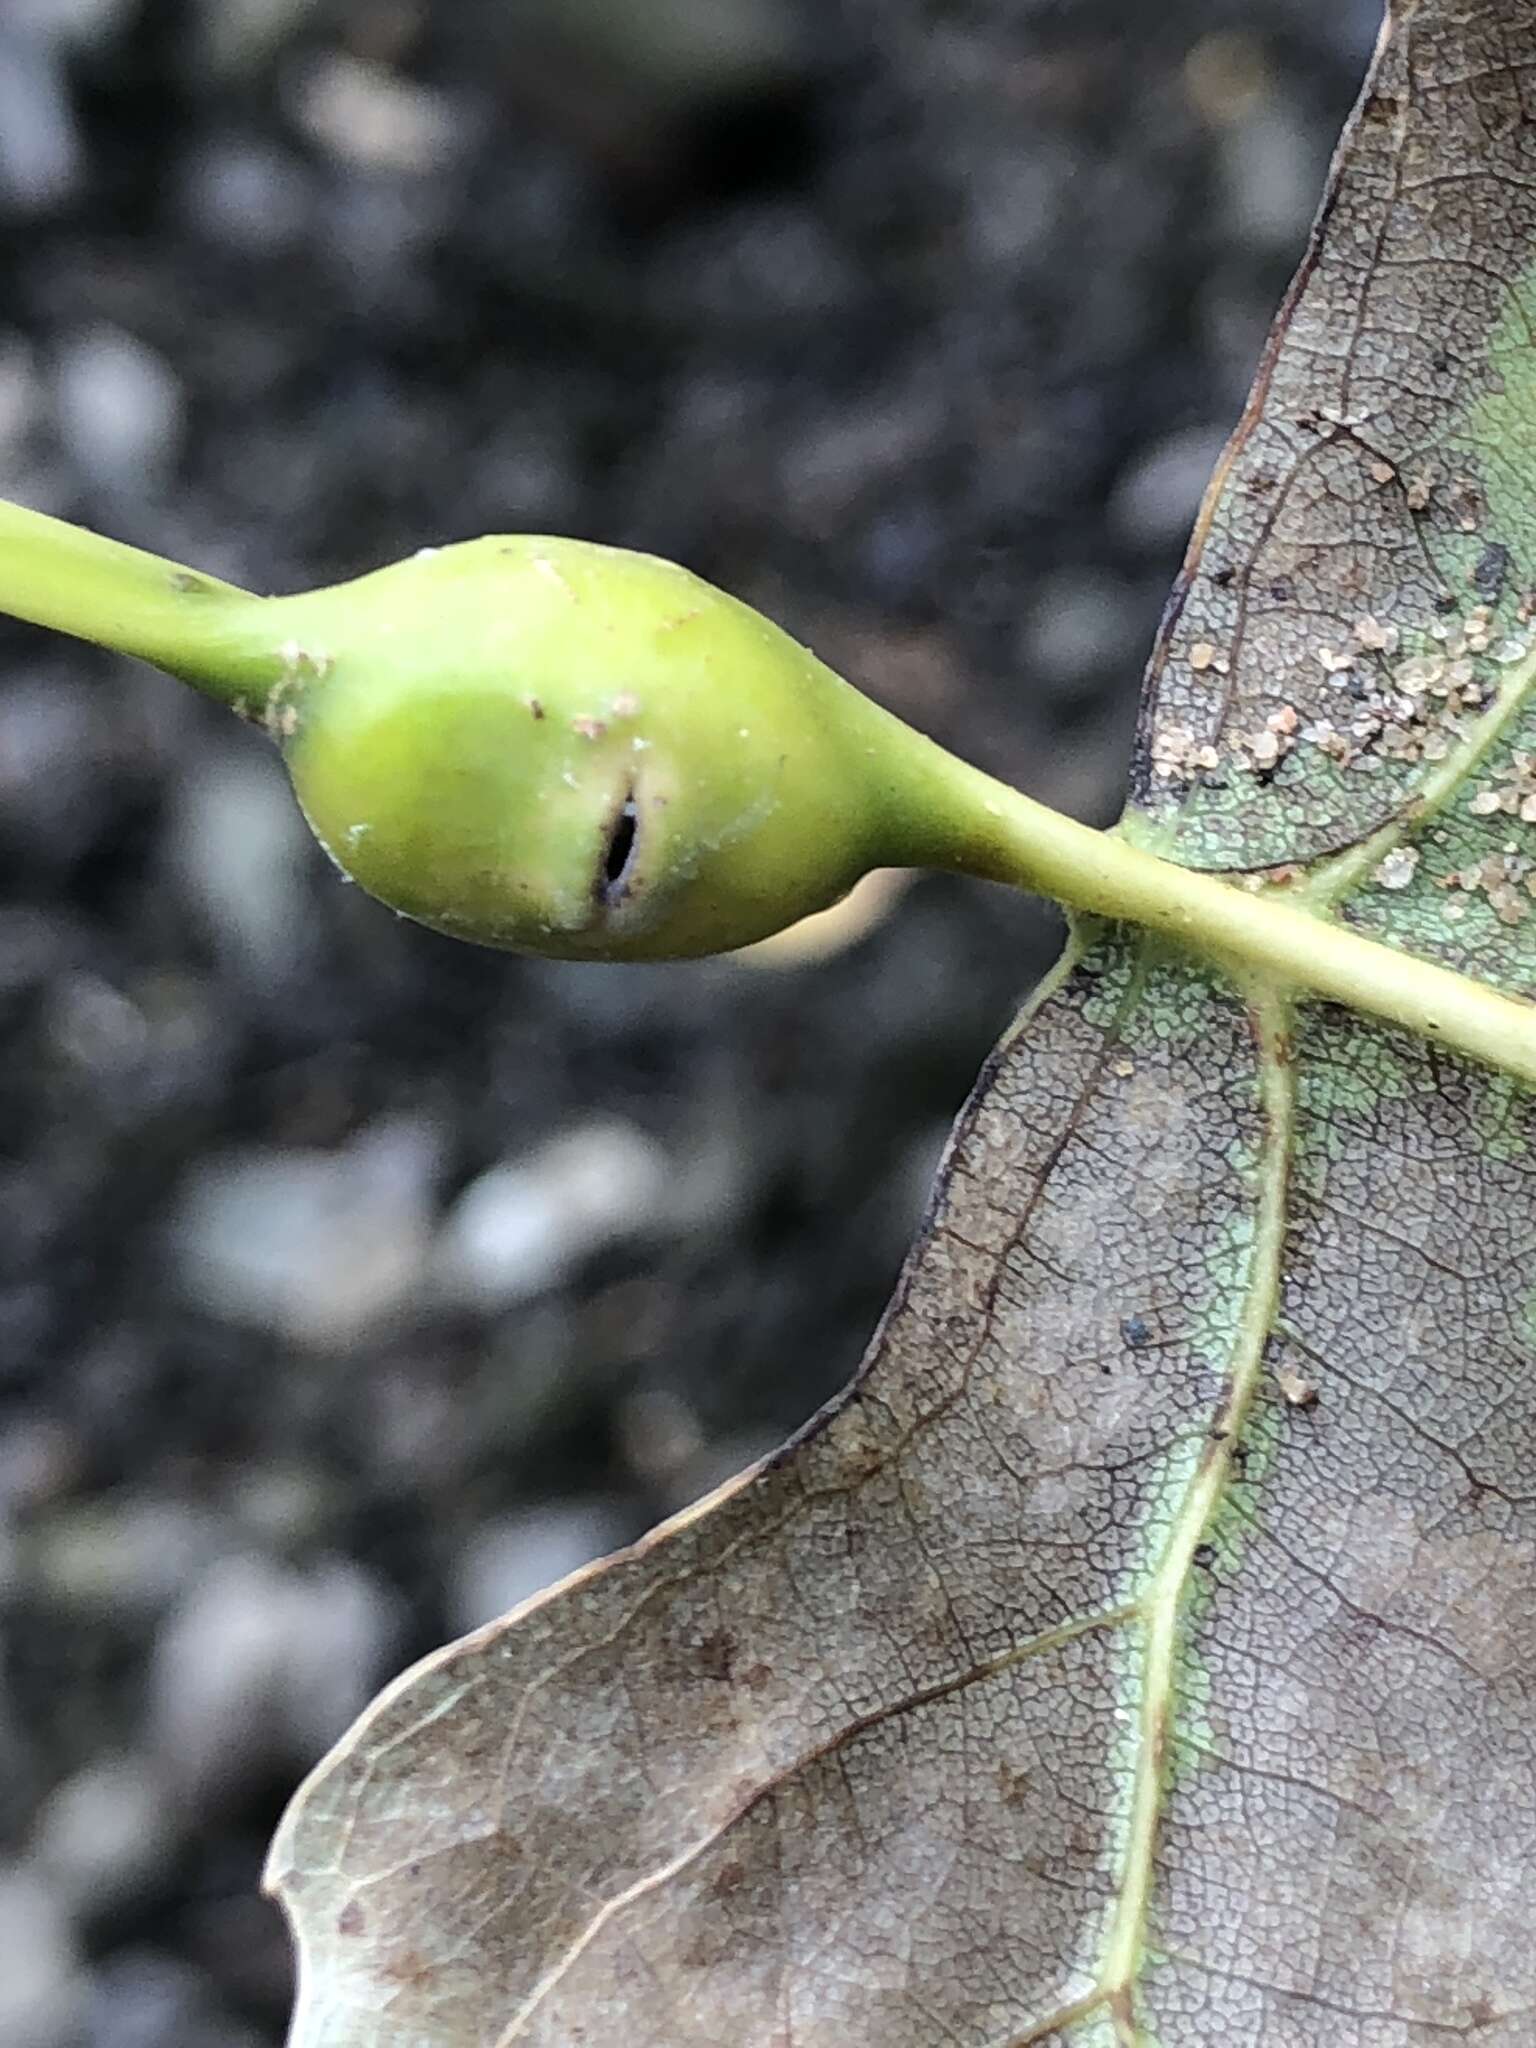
[1137,1332]
[1282,590]
[1445,601]
[717,1654]
[1491,569]
[1205,1555]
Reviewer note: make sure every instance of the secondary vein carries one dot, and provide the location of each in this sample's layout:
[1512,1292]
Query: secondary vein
[1331,881]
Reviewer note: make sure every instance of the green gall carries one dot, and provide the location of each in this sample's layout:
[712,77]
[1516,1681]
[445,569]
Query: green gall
[537,743]
[569,749]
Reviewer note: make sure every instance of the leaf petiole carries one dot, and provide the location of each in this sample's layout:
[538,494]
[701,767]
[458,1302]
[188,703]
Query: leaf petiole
[1253,932]
[191,625]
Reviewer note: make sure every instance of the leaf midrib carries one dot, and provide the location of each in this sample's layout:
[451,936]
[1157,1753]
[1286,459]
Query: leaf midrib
[1326,890]
[1162,1603]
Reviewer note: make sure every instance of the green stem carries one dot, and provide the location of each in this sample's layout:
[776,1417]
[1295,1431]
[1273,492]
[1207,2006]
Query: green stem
[992,830]
[193,626]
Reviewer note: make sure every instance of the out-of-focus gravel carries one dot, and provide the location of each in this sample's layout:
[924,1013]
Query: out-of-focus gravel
[352,1284]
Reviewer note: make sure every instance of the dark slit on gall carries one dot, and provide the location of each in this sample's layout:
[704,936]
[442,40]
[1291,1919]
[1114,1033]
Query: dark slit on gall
[619,853]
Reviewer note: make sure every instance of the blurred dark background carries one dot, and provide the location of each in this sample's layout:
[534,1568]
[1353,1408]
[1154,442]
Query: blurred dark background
[354,1284]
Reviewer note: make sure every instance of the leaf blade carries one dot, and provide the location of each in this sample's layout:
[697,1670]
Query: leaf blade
[1370,477]
[1072,1678]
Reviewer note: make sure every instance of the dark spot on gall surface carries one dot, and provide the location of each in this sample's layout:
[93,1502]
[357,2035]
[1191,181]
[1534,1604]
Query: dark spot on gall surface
[535,707]
[410,1967]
